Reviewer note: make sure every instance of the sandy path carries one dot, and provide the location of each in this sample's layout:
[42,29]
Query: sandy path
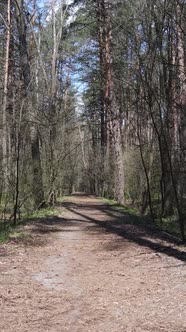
[79,275]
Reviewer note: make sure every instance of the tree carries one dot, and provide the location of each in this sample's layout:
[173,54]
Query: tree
[93,99]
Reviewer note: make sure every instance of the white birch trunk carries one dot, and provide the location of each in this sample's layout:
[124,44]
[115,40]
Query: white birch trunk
[4,108]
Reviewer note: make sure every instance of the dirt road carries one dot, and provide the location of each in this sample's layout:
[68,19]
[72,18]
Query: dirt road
[86,270]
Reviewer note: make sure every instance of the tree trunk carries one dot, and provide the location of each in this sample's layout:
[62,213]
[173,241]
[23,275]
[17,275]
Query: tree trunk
[109,99]
[182,111]
[25,73]
[4,107]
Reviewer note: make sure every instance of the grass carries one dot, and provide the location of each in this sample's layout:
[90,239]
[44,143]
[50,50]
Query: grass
[12,231]
[132,214]
[64,198]
[42,213]
[169,225]
[4,236]
[121,208]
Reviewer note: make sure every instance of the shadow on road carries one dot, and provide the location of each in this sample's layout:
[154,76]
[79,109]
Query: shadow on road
[127,226]
[102,218]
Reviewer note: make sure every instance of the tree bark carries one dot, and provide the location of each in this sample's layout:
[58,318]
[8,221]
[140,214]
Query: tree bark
[4,108]
[109,99]
[25,75]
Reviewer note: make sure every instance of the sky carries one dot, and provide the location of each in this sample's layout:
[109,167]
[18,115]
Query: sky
[42,3]
[47,4]
[75,78]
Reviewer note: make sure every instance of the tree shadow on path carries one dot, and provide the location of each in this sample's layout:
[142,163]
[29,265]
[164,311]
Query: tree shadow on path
[127,226]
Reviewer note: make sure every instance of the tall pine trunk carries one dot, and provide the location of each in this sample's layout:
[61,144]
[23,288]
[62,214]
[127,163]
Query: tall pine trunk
[25,75]
[182,111]
[109,99]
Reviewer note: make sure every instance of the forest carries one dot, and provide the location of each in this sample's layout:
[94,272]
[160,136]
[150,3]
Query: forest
[93,99]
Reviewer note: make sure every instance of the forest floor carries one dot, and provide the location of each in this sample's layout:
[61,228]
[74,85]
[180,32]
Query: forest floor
[91,268]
